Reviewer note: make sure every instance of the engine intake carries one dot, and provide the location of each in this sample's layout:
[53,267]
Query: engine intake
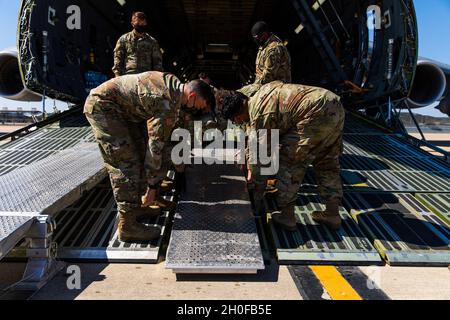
[11,85]
[429,84]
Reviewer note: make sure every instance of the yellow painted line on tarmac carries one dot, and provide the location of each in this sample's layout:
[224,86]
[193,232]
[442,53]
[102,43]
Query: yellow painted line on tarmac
[337,287]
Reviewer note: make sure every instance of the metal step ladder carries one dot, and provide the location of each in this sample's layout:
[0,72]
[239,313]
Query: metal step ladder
[319,40]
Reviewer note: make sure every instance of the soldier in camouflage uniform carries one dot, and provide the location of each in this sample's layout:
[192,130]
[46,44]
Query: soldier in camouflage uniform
[137,51]
[273,61]
[310,121]
[118,112]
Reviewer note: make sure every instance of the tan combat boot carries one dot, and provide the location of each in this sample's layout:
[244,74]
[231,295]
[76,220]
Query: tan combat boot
[132,231]
[166,186]
[286,218]
[271,187]
[330,217]
[146,213]
[163,204]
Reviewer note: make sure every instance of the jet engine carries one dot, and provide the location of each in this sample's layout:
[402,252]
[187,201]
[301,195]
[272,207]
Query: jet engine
[431,83]
[11,85]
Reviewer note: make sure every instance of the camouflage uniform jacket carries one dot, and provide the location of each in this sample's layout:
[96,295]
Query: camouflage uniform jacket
[154,97]
[135,54]
[273,62]
[282,106]
[250,90]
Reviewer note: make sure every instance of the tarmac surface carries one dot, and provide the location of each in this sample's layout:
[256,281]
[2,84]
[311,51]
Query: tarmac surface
[441,140]
[154,282]
[10,128]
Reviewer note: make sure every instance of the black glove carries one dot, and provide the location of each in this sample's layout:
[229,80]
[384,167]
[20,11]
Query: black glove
[180,182]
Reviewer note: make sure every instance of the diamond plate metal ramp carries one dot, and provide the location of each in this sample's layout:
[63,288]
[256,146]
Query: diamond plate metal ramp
[316,244]
[46,187]
[53,183]
[403,230]
[13,227]
[214,230]
[39,145]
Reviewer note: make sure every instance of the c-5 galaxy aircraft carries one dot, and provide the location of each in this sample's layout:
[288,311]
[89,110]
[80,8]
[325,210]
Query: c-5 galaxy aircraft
[397,195]
[363,51]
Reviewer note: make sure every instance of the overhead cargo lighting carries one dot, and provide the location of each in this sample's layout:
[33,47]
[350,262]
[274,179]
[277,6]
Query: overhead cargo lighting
[122,2]
[317,4]
[219,48]
[299,28]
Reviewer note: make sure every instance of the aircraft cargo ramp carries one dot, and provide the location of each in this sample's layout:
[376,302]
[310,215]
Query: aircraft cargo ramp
[396,206]
[396,199]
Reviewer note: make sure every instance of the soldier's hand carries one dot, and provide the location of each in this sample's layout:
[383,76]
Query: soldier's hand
[211,124]
[249,176]
[149,197]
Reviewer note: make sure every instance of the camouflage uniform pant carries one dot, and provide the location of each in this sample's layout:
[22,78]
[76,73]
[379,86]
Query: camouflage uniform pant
[123,145]
[316,141]
[159,161]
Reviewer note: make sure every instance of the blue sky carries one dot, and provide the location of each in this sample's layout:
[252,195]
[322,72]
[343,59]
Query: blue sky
[434,31]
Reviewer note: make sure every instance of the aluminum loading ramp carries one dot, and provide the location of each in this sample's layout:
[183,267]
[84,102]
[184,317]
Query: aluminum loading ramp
[214,230]
[40,144]
[30,195]
[51,184]
[46,187]
[13,228]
